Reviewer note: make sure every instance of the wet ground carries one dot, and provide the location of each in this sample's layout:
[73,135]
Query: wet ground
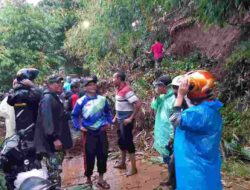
[148,177]
[150,172]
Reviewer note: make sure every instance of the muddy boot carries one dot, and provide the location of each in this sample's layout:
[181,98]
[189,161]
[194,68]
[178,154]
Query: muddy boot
[132,170]
[121,164]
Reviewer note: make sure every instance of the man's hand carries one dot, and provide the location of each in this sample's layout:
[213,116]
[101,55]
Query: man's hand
[27,82]
[127,121]
[58,144]
[183,88]
[114,120]
[83,129]
[147,52]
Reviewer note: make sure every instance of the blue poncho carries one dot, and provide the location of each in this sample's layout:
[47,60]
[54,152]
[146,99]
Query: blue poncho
[196,147]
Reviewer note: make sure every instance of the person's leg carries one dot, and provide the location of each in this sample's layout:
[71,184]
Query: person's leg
[54,167]
[121,143]
[72,131]
[131,149]
[156,64]
[172,179]
[159,62]
[10,173]
[84,137]
[90,148]
[9,181]
[102,157]
[171,172]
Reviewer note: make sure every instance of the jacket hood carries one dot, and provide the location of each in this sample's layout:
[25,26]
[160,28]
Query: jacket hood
[214,104]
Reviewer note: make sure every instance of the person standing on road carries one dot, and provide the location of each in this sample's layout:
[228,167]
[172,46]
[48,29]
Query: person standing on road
[127,105]
[52,133]
[163,130]
[96,116]
[198,134]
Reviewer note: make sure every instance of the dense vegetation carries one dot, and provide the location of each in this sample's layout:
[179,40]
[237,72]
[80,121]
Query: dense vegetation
[101,36]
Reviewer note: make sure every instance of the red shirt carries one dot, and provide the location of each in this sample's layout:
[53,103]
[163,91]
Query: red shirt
[157,49]
[74,98]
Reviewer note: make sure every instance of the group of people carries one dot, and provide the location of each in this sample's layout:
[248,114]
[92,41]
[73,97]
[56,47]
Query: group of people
[187,127]
[59,112]
[94,113]
[187,130]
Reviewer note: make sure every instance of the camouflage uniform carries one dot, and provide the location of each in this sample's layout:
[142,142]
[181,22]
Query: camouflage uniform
[54,167]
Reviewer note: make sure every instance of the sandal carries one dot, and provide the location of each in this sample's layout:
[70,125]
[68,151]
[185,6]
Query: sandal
[165,183]
[88,183]
[119,165]
[103,185]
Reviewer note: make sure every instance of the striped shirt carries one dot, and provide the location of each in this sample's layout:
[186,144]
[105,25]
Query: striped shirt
[125,98]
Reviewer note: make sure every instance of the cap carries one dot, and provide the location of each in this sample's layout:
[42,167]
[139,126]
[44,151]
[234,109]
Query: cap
[54,78]
[88,80]
[74,84]
[162,80]
[95,78]
[177,80]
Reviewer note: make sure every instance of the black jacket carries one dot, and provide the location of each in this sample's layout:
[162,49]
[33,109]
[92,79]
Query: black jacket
[25,101]
[51,125]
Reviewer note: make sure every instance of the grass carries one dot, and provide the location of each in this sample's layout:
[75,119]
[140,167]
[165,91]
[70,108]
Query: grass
[236,168]
[2,182]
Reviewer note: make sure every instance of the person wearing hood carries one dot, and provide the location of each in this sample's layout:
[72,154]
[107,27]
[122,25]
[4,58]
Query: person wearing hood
[198,134]
[163,104]
[24,100]
[52,133]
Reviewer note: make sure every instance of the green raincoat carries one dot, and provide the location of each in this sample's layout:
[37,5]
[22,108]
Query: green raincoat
[163,130]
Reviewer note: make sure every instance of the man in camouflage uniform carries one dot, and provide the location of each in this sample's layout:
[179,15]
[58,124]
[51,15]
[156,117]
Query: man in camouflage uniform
[52,134]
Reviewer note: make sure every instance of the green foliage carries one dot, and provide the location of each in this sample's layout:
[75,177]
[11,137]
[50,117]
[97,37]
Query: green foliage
[242,52]
[217,11]
[31,37]
[194,61]
[234,91]
[236,123]
[236,168]
[142,87]
[2,182]
[111,31]
[236,83]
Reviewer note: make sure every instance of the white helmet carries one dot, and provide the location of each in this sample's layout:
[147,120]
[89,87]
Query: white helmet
[177,80]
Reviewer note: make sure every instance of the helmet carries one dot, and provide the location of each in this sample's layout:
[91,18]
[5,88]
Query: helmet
[27,73]
[201,84]
[177,80]
[36,183]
